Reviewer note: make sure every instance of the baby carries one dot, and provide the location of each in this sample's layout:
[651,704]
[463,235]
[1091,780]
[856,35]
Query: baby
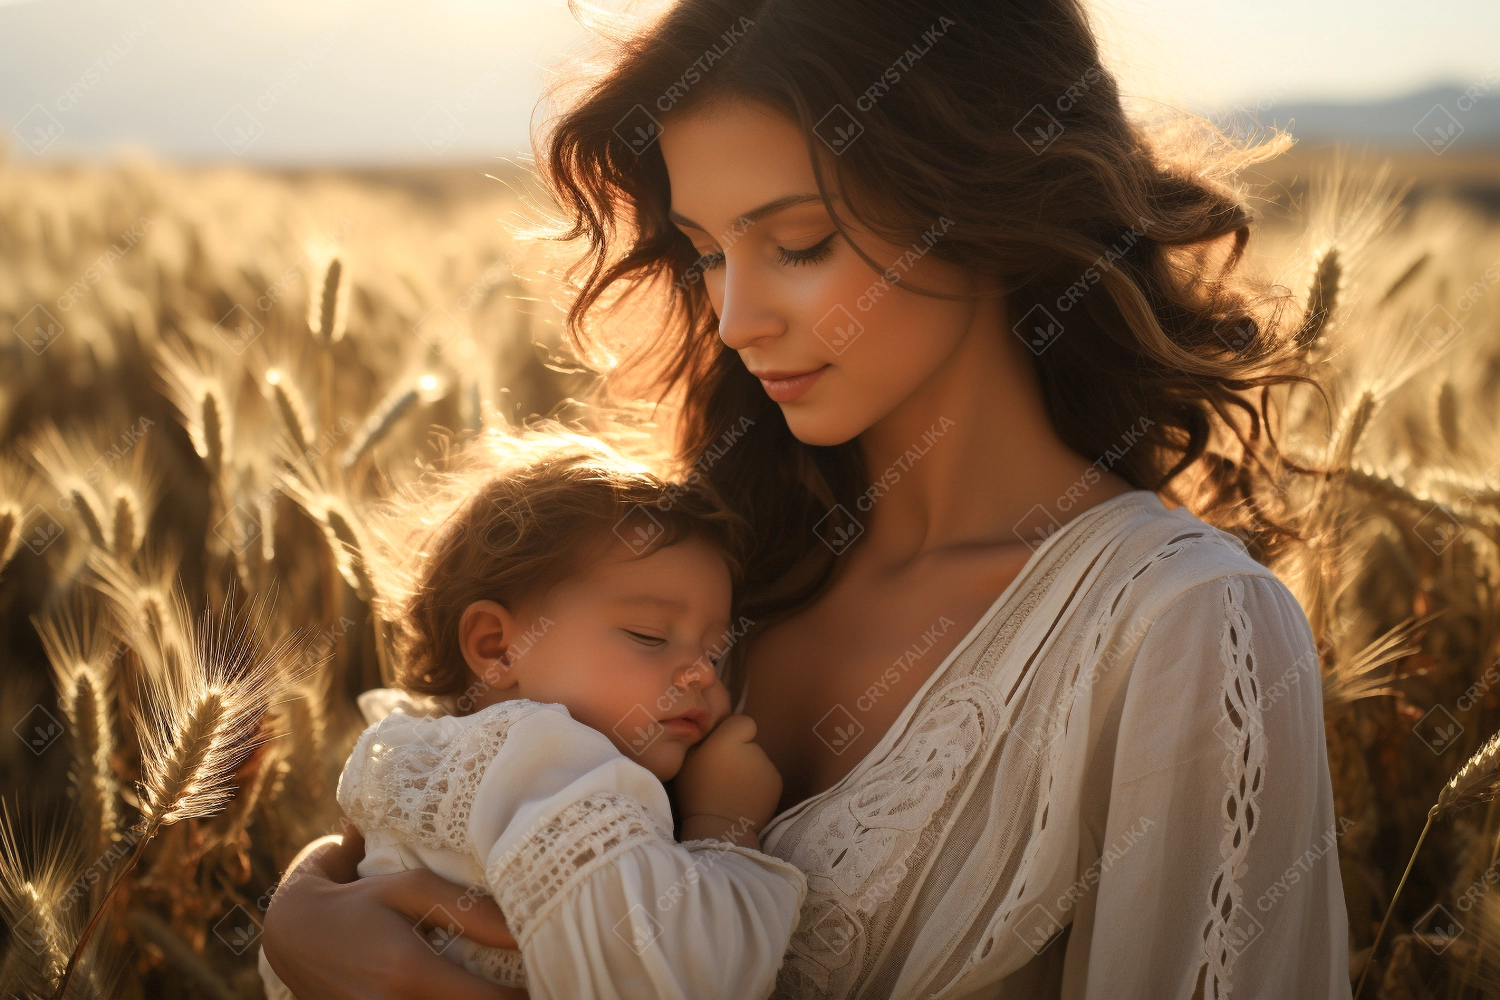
[560,640]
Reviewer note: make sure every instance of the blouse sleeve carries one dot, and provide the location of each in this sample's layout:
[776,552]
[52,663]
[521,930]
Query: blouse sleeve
[602,901]
[1221,876]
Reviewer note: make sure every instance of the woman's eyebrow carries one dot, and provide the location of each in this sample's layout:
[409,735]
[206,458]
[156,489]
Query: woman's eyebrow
[755,214]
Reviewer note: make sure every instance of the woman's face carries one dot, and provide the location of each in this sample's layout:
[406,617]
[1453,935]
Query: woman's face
[833,341]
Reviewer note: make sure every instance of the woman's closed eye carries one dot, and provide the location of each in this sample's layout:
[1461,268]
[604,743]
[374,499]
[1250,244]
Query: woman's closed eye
[711,260]
[808,255]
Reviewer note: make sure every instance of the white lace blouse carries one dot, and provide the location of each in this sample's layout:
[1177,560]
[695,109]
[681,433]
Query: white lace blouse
[1116,786]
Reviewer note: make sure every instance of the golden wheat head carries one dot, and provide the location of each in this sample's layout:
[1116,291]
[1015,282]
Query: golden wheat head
[199,724]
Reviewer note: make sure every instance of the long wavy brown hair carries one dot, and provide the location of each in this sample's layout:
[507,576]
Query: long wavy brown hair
[1000,117]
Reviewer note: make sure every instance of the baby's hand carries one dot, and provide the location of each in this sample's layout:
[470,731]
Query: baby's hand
[729,777]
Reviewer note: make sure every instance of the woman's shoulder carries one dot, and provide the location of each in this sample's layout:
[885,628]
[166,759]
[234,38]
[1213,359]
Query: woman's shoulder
[1164,557]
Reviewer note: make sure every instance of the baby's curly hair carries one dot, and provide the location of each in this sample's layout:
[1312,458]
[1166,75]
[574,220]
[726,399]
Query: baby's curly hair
[509,516]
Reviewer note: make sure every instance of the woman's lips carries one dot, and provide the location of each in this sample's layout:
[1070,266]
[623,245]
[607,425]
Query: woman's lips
[787,387]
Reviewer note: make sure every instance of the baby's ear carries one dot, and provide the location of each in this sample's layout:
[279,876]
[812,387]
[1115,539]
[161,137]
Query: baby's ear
[486,635]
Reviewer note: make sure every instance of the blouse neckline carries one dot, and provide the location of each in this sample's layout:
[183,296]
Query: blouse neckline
[1035,559]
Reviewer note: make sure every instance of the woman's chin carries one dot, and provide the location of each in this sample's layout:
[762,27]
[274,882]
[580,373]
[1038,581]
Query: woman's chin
[818,426]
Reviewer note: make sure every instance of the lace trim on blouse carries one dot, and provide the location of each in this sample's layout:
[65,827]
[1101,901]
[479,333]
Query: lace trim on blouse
[1230,926]
[583,836]
[423,790]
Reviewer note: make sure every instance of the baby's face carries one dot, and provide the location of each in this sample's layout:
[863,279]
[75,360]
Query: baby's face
[628,645]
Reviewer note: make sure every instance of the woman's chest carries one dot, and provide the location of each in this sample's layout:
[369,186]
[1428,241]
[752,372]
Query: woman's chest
[826,685]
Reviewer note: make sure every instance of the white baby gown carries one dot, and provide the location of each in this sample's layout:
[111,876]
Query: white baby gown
[574,841]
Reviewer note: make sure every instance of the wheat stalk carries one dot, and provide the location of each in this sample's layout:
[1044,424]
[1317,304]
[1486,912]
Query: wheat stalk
[30,891]
[1350,681]
[266,507]
[11,524]
[128,528]
[199,389]
[346,540]
[79,652]
[391,409]
[88,515]
[1353,428]
[1406,276]
[1447,416]
[293,412]
[198,725]
[150,621]
[1478,781]
[1322,298]
[326,308]
[211,438]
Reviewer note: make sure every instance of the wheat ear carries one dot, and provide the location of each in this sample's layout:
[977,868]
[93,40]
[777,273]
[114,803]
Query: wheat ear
[78,651]
[1478,781]
[88,515]
[128,527]
[352,561]
[212,447]
[32,882]
[1447,416]
[10,532]
[1322,298]
[326,312]
[293,412]
[391,409]
[198,725]
[1354,427]
[1406,276]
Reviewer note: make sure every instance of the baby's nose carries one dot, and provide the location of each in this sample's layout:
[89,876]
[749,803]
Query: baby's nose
[699,674]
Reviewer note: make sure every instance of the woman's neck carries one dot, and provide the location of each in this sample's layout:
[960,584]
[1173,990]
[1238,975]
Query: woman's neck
[968,457]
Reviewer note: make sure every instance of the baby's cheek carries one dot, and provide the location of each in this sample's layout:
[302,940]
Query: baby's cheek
[664,760]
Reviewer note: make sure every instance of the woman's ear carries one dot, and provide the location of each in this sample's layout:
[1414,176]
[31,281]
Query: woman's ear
[486,633]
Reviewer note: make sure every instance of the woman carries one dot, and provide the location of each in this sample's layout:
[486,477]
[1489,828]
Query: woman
[957,337]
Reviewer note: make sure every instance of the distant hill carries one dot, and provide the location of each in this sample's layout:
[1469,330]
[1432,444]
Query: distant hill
[1463,118]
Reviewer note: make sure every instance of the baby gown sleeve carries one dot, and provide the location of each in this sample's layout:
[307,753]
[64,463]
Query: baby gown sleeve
[577,846]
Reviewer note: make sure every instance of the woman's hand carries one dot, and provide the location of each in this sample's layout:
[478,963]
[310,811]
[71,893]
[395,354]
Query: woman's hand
[332,936]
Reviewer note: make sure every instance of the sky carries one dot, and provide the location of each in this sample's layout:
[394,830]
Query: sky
[428,81]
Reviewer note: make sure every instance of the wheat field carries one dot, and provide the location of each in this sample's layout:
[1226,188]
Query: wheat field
[215,372]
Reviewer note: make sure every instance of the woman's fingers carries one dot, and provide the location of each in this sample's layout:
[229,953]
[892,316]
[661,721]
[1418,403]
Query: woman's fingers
[430,976]
[342,863]
[429,900]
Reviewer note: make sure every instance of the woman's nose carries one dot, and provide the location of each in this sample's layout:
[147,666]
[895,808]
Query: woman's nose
[745,315]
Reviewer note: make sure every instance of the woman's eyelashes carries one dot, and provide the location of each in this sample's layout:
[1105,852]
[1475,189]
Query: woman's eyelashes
[810,255]
[712,260]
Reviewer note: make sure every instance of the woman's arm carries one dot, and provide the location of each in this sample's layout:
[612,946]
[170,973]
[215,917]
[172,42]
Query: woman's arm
[1221,869]
[330,935]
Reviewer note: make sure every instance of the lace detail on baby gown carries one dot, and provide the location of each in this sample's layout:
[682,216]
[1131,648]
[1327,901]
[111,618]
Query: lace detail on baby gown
[1229,926]
[418,776]
[583,836]
[498,965]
